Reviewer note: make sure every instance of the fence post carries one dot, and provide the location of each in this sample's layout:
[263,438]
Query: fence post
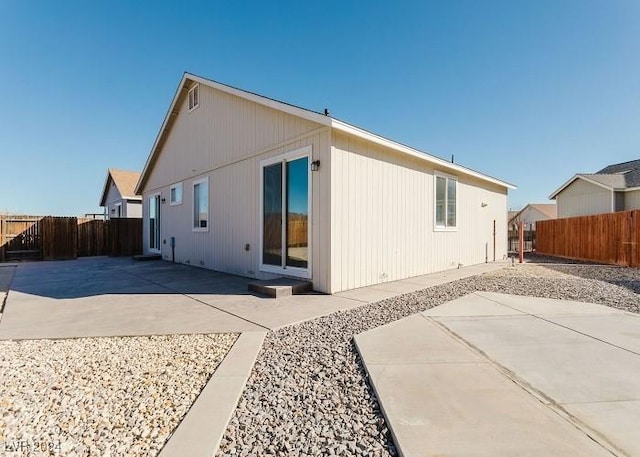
[521,240]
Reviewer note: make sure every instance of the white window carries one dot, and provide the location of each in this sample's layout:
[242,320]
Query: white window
[446,205]
[194,97]
[201,205]
[175,194]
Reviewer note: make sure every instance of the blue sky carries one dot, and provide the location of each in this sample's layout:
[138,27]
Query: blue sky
[527,91]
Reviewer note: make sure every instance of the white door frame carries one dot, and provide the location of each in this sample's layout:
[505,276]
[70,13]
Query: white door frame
[149,197]
[284,270]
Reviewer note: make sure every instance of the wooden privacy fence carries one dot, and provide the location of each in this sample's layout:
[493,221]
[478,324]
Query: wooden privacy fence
[612,238]
[57,238]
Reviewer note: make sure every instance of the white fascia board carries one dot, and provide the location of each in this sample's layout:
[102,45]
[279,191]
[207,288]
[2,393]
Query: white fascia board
[352,130]
[280,106]
[269,102]
[570,181]
[105,189]
[153,152]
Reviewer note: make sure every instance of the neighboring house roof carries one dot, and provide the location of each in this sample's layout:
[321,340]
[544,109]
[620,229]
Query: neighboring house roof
[310,115]
[617,177]
[125,181]
[548,209]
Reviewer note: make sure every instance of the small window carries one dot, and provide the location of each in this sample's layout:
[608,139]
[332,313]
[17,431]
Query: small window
[194,97]
[201,205]
[446,202]
[175,194]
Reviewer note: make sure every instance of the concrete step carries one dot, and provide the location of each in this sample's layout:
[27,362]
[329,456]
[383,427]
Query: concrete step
[281,287]
[143,257]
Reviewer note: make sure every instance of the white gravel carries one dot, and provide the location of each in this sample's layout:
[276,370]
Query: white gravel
[309,395]
[101,396]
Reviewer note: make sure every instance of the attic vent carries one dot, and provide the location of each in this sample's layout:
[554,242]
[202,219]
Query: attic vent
[193,97]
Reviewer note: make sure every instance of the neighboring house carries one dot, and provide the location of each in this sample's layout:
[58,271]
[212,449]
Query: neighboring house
[533,213]
[244,184]
[118,195]
[614,188]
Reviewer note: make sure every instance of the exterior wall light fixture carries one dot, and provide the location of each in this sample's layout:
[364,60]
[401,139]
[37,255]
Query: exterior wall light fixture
[315,165]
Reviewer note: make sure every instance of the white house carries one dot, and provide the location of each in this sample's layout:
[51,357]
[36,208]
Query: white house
[244,184]
[533,213]
[614,188]
[118,195]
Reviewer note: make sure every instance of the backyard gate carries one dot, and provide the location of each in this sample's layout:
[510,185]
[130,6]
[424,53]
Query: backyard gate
[19,237]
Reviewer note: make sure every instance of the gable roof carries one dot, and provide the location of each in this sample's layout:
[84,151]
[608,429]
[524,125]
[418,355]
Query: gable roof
[125,181]
[548,209]
[617,177]
[188,79]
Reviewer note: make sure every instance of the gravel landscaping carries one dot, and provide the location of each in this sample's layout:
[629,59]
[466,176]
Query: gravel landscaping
[308,393]
[101,396]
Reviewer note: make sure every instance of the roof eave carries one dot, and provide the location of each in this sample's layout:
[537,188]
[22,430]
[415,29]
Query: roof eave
[584,178]
[271,103]
[105,188]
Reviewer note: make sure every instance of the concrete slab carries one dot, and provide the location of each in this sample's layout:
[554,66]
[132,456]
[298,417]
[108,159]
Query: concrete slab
[101,296]
[367,294]
[200,432]
[441,398]
[621,329]
[29,317]
[547,306]
[428,343]
[108,297]
[470,409]
[616,421]
[399,287]
[471,305]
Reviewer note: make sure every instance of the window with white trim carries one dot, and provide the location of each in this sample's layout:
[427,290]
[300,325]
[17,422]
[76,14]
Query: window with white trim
[175,194]
[194,97]
[201,205]
[446,204]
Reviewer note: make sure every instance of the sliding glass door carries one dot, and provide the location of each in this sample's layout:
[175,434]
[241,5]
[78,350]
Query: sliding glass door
[154,223]
[285,215]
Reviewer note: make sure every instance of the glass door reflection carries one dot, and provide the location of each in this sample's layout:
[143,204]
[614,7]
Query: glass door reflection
[272,215]
[297,215]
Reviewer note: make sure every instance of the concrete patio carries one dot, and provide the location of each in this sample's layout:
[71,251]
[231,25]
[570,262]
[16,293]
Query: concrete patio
[493,374]
[100,296]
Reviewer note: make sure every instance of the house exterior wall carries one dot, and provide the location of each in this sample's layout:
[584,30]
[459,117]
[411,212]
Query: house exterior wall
[632,200]
[582,198]
[382,217]
[529,216]
[133,209]
[225,139]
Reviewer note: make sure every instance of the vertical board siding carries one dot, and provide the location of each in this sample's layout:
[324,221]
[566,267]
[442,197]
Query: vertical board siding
[612,238]
[582,198]
[632,200]
[225,139]
[382,218]
[223,129]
